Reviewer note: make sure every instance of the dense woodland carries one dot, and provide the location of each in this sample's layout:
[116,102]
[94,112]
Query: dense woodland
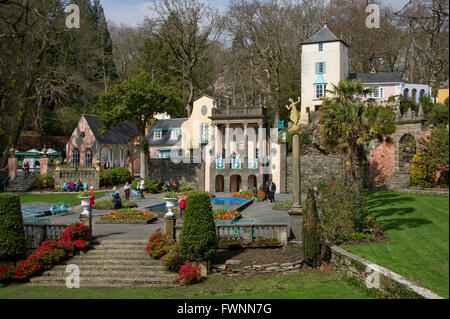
[246,55]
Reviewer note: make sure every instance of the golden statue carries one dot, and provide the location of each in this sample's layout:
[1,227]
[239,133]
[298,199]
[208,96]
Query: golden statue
[295,118]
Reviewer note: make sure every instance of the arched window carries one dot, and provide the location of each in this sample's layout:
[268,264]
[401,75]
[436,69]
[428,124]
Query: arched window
[406,93]
[76,157]
[116,157]
[88,156]
[414,96]
[422,93]
[104,155]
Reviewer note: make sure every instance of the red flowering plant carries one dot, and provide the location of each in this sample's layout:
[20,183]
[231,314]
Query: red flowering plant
[189,274]
[158,244]
[128,214]
[7,273]
[75,237]
[225,214]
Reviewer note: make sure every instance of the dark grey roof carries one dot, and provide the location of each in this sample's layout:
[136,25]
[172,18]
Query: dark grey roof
[383,77]
[116,135]
[165,126]
[324,35]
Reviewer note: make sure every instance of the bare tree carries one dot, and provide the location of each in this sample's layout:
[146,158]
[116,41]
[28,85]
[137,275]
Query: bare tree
[190,28]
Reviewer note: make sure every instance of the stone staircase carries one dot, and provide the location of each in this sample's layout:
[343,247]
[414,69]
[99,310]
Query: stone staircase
[18,185]
[111,264]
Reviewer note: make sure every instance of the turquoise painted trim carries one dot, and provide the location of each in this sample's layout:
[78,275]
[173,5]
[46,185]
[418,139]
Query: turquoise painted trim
[320,80]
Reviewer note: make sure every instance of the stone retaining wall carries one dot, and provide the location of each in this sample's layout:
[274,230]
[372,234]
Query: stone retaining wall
[314,167]
[377,277]
[185,174]
[258,269]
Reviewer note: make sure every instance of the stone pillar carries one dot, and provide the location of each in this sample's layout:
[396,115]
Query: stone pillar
[227,146]
[296,212]
[260,145]
[12,165]
[169,226]
[44,161]
[87,220]
[245,157]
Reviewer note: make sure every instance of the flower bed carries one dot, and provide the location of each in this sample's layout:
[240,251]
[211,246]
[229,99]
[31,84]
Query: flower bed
[127,216]
[51,252]
[226,214]
[248,195]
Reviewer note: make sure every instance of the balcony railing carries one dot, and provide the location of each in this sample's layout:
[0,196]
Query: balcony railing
[236,163]
[220,163]
[253,163]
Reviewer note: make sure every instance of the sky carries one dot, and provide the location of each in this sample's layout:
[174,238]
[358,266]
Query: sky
[133,12]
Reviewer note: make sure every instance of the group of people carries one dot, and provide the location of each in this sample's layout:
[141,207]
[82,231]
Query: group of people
[73,187]
[269,190]
[171,187]
[127,189]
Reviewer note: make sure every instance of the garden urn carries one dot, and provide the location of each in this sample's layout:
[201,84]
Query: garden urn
[170,203]
[85,205]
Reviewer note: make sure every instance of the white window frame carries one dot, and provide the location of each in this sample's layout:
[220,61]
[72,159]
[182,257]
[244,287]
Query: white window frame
[76,157]
[88,156]
[157,135]
[377,92]
[317,94]
[320,67]
[174,134]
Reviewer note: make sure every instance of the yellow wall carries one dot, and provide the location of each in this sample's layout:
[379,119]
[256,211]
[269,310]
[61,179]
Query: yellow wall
[190,128]
[442,95]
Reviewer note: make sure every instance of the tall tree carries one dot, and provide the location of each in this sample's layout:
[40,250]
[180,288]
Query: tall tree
[137,99]
[190,28]
[349,122]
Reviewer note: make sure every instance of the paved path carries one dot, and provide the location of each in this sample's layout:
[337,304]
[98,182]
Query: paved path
[260,212]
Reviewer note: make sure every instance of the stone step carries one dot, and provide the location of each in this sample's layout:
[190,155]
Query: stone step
[128,274]
[105,267]
[122,262]
[114,252]
[118,242]
[104,282]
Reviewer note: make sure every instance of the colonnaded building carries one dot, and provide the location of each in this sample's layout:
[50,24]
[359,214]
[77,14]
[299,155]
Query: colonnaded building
[230,148]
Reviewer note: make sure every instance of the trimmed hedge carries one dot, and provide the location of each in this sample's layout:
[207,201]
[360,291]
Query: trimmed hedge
[313,245]
[198,240]
[114,176]
[12,238]
[150,185]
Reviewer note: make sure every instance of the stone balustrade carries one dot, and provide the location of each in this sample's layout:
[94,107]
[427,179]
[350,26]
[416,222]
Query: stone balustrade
[38,233]
[249,235]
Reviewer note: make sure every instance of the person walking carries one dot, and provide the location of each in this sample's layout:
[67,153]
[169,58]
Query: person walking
[116,199]
[182,207]
[272,189]
[91,200]
[141,186]
[26,168]
[126,190]
[266,190]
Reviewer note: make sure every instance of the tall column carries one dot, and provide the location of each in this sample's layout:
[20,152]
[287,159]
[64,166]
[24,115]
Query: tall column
[260,145]
[227,144]
[296,212]
[245,157]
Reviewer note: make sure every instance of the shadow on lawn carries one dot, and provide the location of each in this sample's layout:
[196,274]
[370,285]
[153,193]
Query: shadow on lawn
[384,205]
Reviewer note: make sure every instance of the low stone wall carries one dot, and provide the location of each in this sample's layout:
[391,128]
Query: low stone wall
[185,174]
[91,176]
[377,277]
[283,268]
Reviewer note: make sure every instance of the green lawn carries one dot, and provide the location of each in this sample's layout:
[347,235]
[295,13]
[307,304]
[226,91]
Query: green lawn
[417,226]
[314,285]
[68,198]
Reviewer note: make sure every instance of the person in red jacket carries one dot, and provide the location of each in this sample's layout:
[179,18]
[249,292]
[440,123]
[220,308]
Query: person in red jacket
[182,207]
[91,200]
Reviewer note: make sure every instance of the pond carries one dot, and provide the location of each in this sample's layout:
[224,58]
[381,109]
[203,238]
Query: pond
[216,203]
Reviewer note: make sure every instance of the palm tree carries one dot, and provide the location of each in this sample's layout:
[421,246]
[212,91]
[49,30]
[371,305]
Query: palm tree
[348,122]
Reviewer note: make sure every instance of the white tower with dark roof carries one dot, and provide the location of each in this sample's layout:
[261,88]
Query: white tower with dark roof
[324,62]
